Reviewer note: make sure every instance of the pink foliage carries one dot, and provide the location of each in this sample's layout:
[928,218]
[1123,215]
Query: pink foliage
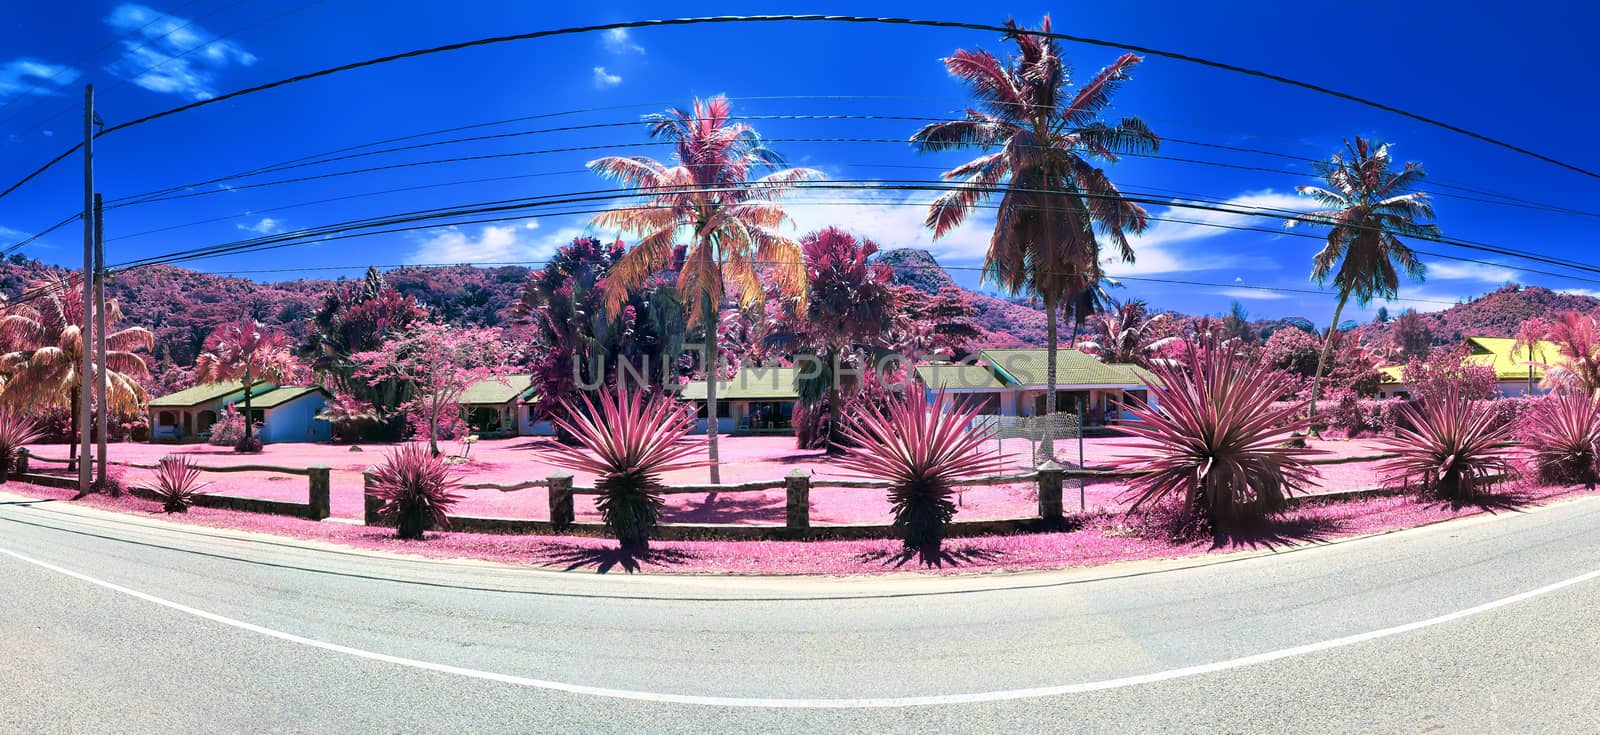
[438,363]
[1449,371]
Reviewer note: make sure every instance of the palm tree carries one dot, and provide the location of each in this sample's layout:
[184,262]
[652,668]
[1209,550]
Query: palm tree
[1367,209]
[1127,333]
[728,220]
[45,351]
[246,351]
[1058,202]
[1530,337]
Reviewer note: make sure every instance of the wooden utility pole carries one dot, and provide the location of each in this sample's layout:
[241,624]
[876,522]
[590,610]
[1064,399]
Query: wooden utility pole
[85,369]
[102,374]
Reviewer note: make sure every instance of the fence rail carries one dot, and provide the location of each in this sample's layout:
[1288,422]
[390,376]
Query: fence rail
[319,490]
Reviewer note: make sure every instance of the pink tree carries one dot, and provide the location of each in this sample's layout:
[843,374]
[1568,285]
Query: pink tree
[245,351]
[437,363]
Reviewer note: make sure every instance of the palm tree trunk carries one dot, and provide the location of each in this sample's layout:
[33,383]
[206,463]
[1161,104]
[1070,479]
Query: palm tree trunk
[1327,347]
[248,422]
[1048,447]
[711,310]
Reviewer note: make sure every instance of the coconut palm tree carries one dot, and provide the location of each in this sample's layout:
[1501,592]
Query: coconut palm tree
[1127,333]
[708,200]
[1530,338]
[1056,202]
[1367,209]
[45,352]
[244,351]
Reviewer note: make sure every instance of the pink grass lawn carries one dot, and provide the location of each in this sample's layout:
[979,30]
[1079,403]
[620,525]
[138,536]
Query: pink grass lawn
[1100,538]
[745,459]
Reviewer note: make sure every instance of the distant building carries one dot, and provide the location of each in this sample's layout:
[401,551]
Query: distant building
[1012,382]
[285,414]
[498,407]
[1513,368]
[756,400]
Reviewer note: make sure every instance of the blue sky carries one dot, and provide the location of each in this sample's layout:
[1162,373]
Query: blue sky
[1521,73]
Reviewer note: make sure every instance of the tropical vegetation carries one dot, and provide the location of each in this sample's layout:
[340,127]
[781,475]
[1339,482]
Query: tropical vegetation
[416,488]
[1448,447]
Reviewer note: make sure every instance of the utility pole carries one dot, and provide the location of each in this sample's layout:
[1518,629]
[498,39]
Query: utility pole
[85,369]
[102,376]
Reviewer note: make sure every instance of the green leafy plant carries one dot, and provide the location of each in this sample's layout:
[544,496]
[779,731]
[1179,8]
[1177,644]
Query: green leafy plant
[418,489]
[16,431]
[925,454]
[1451,447]
[1562,434]
[177,482]
[1218,441]
[628,439]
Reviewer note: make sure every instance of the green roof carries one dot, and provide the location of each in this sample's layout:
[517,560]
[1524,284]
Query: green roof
[1501,353]
[279,396]
[497,390]
[1025,368]
[749,384]
[964,378]
[206,393]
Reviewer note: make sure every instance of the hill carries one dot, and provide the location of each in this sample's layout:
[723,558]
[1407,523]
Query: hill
[1495,314]
[1004,323]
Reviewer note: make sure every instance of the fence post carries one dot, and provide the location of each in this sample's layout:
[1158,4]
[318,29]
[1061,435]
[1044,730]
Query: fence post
[797,512]
[321,492]
[561,515]
[372,503]
[22,461]
[1050,476]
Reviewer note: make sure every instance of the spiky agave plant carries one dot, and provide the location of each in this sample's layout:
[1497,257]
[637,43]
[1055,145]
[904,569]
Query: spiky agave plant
[417,488]
[1451,447]
[16,431]
[177,482]
[924,454]
[1562,435]
[627,439]
[1217,441]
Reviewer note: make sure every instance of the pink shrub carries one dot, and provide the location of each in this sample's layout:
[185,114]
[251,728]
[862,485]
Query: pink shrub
[417,488]
[16,431]
[629,439]
[177,482]
[1451,447]
[1562,433]
[924,453]
[1219,440]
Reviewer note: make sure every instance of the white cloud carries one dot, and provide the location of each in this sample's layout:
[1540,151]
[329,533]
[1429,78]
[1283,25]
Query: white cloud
[27,76]
[604,79]
[491,244]
[1447,270]
[892,219]
[49,133]
[1590,292]
[618,41]
[266,226]
[171,55]
[1158,251]
[1251,294]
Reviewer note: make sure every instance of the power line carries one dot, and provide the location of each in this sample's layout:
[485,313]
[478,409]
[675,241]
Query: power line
[828,19]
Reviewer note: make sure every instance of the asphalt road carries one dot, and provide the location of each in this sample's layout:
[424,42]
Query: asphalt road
[115,623]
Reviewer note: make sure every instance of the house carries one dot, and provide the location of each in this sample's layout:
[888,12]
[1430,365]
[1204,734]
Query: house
[1011,382]
[284,413]
[498,406]
[289,414]
[756,400]
[1513,373]
[188,414]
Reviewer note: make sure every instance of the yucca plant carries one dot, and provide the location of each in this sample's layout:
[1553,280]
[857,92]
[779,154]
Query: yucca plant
[925,454]
[1562,435]
[1451,447]
[16,431]
[177,482]
[628,439]
[417,488]
[1218,442]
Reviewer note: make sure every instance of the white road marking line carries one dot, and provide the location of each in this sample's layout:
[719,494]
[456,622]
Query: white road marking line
[802,703]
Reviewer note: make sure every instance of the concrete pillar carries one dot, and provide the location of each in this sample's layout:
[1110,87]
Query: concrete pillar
[1050,477]
[368,483]
[561,514]
[22,460]
[321,493]
[798,509]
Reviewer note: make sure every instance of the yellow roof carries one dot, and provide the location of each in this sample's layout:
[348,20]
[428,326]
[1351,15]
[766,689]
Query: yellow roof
[1501,353]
